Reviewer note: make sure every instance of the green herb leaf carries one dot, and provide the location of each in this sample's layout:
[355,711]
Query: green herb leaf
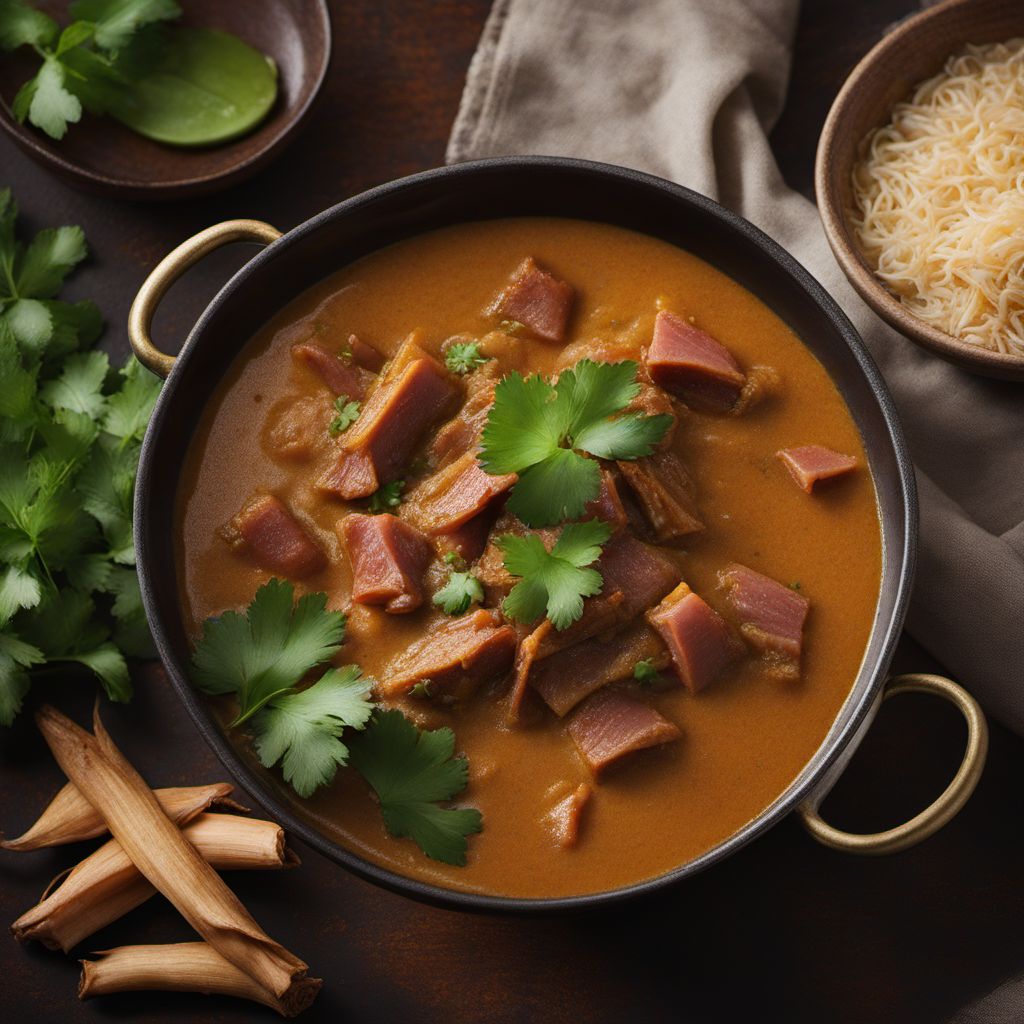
[15,657]
[422,689]
[411,771]
[52,107]
[386,497]
[554,582]
[305,728]
[463,357]
[49,258]
[116,21]
[348,413]
[265,651]
[645,672]
[21,25]
[80,384]
[461,590]
[533,428]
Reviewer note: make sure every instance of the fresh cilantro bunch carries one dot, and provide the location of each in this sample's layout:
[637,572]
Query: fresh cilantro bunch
[87,64]
[262,655]
[462,357]
[555,582]
[461,590]
[539,430]
[70,433]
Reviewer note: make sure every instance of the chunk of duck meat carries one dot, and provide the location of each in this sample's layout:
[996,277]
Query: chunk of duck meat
[771,616]
[692,365]
[406,402]
[565,818]
[274,539]
[812,462]
[537,300]
[455,658]
[642,572]
[571,675]
[469,540]
[343,376]
[490,569]
[697,637]
[664,491]
[462,433]
[365,355]
[296,428]
[451,497]
[388,560]
[610,724]
[607,505]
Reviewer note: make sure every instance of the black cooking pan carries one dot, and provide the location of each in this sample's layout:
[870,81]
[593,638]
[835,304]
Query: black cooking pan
[535,186]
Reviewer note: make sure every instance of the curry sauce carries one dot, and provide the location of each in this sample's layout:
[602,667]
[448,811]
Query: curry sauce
[744,738]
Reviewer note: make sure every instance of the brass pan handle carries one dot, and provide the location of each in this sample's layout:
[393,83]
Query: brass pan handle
[169,269]
[944,808]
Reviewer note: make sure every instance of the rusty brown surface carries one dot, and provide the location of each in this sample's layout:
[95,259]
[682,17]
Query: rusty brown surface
[783,931]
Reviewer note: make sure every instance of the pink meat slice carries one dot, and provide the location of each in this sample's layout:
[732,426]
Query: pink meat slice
[608,504]
[365,355]
[571,675]
[388,560]
[456,657]
[665,492]
[538,300]
[810,463]
[771,615]
[611,725]
[456,494]
[692,365]
[376,448]
[565,818]
[342,376]
[696,635]
[272,537]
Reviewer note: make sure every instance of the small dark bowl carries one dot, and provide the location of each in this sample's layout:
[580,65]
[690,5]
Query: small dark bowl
[102,156]
[913,52]
[510,187]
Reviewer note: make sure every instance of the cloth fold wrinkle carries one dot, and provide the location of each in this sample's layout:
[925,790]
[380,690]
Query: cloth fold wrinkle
[688,90]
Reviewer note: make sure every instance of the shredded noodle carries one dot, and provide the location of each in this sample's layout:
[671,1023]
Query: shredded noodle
[940,199]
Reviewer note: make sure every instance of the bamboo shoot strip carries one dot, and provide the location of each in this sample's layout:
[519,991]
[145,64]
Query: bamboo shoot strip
[106,885]
[177,967]
[169,861]
[70,818]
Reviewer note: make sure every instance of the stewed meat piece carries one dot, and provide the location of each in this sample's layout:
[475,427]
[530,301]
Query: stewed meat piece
[771,616]
[665,493]
[810,463]
[388,560]
[611,724]
[697,637]
[274,539]
[566,816]
[538,300]
[340,373]
[454,658]
[692,365]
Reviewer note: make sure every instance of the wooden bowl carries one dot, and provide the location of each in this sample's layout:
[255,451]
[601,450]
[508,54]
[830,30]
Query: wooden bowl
[911,53]
[102,156]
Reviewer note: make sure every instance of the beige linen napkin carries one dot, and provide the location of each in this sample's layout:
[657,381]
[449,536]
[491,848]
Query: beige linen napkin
[688,90]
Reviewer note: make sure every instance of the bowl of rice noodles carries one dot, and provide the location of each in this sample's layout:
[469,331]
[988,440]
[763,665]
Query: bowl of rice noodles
[920,182]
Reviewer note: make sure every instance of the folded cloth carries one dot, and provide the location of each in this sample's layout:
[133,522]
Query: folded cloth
[688,90]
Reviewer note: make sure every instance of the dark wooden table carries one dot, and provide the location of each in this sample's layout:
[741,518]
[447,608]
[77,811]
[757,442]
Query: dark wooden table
[784,931]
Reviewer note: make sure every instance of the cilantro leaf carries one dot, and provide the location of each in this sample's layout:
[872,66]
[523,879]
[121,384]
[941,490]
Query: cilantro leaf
[645,672]
[348,413]
[108,663]
[534,428]
[117,21]
[15,657]
[461,590]
[51,106]
[129,408]
[264,652]
[305,728]
[410,771]
[19,588]
[80,384]
[21,25]
[463,357]
[554,582]
[387,496]
[49,258]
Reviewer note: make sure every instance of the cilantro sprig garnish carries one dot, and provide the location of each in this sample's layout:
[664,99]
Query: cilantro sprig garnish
[70,433]
[347,413]
[386,497]
[554,582]
[411,771]
[463,357]
[461,590]
[645,672]
[263,655]
[540,430]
